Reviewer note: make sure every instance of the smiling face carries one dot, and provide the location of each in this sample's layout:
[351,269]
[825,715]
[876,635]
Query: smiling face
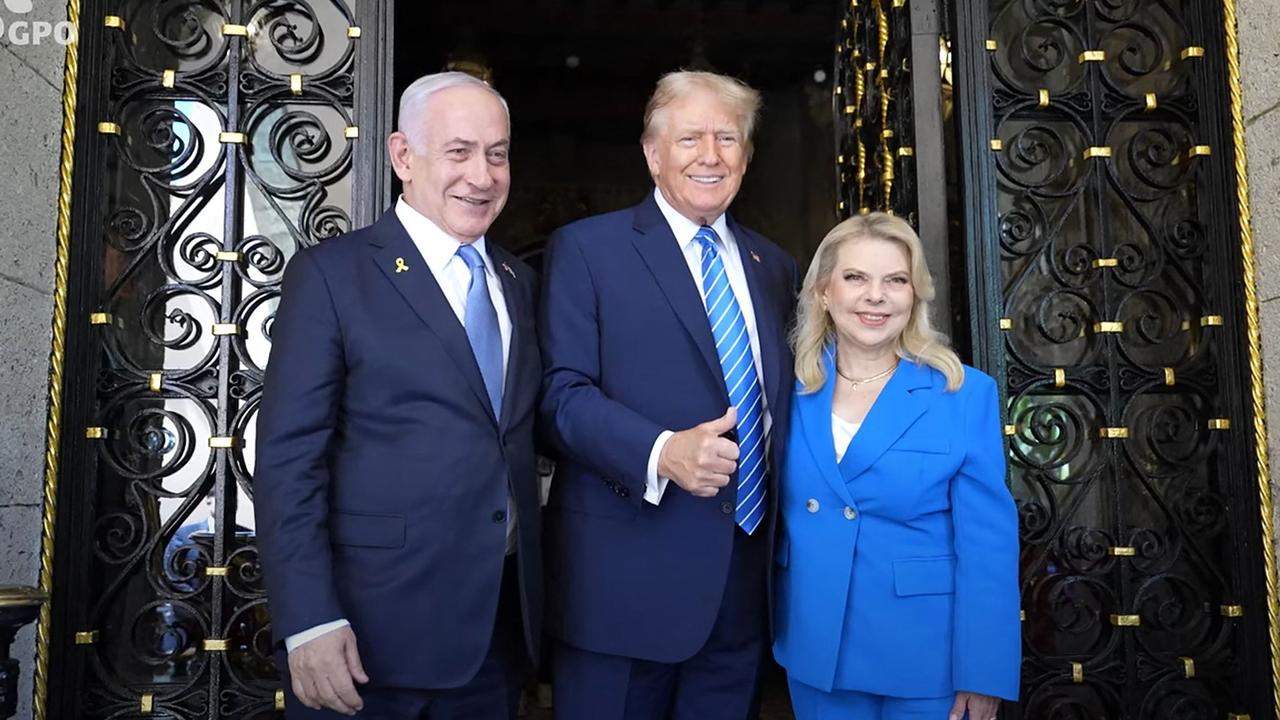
[869,294]
[458,173]
[698,155]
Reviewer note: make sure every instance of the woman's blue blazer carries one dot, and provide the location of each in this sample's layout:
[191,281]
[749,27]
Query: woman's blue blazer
[897,569]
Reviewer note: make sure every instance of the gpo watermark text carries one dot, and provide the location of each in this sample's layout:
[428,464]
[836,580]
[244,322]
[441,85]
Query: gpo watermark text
[19,31]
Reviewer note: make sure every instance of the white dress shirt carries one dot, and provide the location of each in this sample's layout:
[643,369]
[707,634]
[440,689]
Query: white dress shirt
[684,229]
[440,253]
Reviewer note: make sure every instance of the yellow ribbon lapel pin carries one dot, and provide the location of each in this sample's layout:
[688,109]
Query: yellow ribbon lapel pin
[400,265]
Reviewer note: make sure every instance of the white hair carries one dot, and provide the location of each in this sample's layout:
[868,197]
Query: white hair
[413,101]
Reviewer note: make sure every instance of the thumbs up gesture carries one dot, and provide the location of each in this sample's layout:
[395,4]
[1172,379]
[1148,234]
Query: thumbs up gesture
[700,459]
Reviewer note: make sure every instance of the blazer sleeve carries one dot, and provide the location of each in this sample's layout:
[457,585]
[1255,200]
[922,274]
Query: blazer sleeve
[607,436]
[301,394]
[987,642]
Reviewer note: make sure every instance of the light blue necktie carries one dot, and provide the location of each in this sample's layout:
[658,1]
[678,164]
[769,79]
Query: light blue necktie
[482,327]
[733,345]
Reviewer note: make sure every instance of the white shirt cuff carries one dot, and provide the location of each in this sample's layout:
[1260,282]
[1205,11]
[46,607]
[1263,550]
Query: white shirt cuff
[293,642]
[655,486]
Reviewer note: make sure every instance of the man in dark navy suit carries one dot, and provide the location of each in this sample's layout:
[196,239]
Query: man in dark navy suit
[395,488]
[668,378]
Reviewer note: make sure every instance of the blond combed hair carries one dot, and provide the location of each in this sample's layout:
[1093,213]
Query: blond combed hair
[742,100]
[815,331]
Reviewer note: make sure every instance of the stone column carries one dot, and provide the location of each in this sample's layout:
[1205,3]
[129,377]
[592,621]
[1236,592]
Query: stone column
[30,134]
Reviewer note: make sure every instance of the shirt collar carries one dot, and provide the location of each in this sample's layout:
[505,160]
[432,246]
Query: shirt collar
[438,248]
[682,227]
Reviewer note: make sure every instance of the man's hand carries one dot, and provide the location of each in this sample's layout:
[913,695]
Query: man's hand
[980,707]
[324,669]
[698,459]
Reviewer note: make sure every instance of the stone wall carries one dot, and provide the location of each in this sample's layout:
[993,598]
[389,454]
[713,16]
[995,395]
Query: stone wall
[31,120]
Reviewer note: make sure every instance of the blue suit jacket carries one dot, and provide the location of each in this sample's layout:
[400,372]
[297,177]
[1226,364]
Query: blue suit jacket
[929,604]
[382,474]
[628,353]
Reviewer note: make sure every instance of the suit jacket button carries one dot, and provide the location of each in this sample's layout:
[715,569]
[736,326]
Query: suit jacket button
[850,514]
[811,505]
[623,491]
[500,516]
[726,507]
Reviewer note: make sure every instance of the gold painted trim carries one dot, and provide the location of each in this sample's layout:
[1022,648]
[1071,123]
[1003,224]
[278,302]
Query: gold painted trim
[1010,429]
[230,30]
[1199,150]
[225,329]
[906,151]
[1151,102]
[1169,376]
[1219,424]
[231,138]
[96,433]
[1022,615]
[19,596]
[168,78]
[1238,716]
[1188,667]
[295,83]
[1113,433]
[1106,263]
[214,645]
[1254,334]
[353,31]
[992,44]
[1120,551]
[108,128]
[100,319]
[88,637]
[1077,672]
[154,381]
[352,132]
[1232,611]
[280,700]
[1091,56]
[228,256]
[1126,620]
[1006,324]
[1194,51]
[223,442]
[1108,327]
[146,703]
[848,109]
[1059,377]
[113,21]
[1043,100]
[215,571]
[1211,321]
[1100,151]
[997,144]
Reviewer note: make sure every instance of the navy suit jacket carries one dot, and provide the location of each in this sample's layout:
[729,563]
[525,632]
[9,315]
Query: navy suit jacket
[382,475]
[929,604]
[628,354]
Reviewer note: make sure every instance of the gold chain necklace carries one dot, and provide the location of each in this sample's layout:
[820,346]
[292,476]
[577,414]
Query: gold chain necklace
[858,382]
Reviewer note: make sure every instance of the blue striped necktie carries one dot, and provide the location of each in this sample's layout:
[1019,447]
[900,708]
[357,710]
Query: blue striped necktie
[733,345]
[481,323]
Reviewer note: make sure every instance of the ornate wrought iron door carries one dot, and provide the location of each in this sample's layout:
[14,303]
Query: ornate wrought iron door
[1101,226]
[216,138]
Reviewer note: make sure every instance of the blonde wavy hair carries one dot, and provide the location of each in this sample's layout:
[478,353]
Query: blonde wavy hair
[814,330]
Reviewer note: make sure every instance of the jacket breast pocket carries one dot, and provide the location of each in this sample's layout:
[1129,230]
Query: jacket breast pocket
[366,530]
[924,576]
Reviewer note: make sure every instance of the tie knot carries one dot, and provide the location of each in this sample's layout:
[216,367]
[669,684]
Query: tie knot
[707,236]
[471,256]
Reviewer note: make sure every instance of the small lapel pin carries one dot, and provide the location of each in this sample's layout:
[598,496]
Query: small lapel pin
[400,266]
[754,256]
[510,272]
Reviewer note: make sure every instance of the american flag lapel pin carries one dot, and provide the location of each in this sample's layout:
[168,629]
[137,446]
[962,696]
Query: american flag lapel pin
[754,256]
[510,272]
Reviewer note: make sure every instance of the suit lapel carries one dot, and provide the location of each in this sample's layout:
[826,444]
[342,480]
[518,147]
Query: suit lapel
[661,253]
[510,295]
[902,401]
[419,288]
[762,303]
[815,421]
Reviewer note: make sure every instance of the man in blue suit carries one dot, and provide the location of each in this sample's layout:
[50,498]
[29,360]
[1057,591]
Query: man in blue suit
[667,382]
[395,487]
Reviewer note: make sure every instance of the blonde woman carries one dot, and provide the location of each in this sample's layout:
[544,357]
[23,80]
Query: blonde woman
[897,590]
